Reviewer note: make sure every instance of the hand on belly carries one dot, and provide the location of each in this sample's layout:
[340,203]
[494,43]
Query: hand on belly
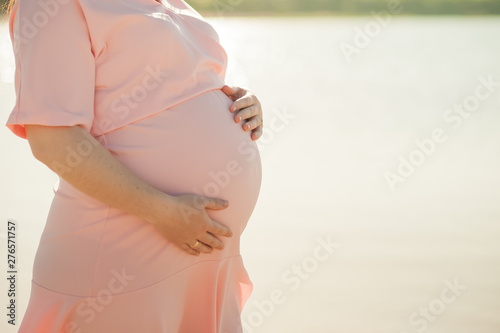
[195,148]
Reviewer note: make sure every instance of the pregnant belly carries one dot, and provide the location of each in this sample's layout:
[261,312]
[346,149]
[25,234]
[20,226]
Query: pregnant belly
[195,147]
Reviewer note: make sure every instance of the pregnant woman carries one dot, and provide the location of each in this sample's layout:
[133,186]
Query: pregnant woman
[158,175]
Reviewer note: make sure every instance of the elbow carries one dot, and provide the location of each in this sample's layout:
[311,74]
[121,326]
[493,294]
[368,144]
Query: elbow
[38,154]
[38,148]
[51,144]
[42,141]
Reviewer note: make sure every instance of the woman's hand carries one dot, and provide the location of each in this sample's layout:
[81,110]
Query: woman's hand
[187,224]
[246,106]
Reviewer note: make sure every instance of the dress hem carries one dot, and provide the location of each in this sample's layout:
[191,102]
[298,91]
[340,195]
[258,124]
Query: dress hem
[141,288]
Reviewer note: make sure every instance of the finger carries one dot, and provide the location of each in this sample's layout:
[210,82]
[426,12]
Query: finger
[243,102]
[215,203]
[212,241]
[228,90]
[257,133]
[217,228]
[189,249]
[252,124]
[203,248]
[246,113]
[233,92]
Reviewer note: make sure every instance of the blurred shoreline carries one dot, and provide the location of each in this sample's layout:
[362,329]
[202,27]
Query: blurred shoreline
[4,18]
[333,14]
[339,7]
[329,14]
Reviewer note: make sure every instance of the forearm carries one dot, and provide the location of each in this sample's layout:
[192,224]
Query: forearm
[82,161]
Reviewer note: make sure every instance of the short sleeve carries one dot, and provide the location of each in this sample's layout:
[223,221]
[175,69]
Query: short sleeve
[55,66]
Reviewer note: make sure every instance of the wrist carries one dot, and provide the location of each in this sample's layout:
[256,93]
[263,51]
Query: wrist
[159,206]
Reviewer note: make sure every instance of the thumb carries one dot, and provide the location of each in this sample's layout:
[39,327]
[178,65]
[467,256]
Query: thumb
[229,90]
[216,204]
[233,92]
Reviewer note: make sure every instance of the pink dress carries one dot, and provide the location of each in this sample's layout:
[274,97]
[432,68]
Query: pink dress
[143,78]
